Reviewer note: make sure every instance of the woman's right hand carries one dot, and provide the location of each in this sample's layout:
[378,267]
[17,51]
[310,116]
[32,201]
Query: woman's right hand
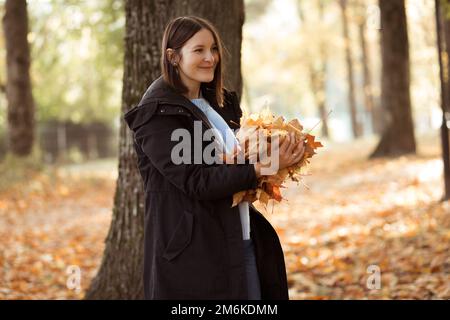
[289,153]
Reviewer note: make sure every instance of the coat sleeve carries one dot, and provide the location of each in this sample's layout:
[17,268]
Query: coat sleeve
[199,181]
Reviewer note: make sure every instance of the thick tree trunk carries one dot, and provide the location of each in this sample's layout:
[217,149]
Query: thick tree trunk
[398,135]
[120,273]
[18,85]
[356,126]
[443,33]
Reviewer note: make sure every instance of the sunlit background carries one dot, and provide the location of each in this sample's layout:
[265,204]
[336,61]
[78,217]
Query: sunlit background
[77,57]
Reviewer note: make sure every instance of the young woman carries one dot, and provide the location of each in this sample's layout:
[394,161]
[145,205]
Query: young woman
[196,245]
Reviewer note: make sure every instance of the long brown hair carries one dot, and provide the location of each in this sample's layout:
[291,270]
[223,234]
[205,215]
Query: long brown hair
[177,33]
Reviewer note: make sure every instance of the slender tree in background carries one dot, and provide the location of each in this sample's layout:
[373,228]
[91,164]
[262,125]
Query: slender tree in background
[369,104]
[356,125]
[445,33]
[398,134]
[254,9]
[18,84]
[442,23]
[317,65]
[120,273]
[319,77]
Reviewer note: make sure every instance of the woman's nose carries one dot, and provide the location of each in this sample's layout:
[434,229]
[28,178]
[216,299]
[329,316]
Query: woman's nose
[210,56]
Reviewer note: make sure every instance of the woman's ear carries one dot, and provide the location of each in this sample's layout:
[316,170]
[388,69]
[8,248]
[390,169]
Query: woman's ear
[171,56]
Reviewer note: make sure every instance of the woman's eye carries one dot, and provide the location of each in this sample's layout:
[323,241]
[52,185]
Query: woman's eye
[213,49]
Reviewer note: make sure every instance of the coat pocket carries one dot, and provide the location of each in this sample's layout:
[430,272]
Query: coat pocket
[181,237]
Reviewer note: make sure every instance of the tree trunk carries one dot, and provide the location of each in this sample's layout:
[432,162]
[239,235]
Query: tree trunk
[318,71]
[18,84]
[398,135]
[323,74]
[317,77]
[367,75]
[320,94]
[356,126]
[443,31]
[61,138]
[120,273]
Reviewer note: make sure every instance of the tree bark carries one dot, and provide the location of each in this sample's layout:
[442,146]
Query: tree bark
[398,136]
[18,84]
[120,273]
[356,126]
[443,33]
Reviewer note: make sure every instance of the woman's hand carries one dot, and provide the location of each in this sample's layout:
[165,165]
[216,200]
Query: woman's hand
[290,152]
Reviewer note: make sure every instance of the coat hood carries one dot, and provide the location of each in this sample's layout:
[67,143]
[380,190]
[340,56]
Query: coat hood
[161,90]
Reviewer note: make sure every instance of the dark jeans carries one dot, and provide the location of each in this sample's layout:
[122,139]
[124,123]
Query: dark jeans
[254,290]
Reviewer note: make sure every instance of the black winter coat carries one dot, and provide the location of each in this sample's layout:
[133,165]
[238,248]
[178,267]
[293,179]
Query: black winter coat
[193,237]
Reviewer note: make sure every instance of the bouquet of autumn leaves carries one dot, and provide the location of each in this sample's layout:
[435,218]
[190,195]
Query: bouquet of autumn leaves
[270,129]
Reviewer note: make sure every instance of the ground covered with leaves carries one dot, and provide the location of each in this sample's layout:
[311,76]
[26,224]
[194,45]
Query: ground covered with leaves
[358,220]
[50,221]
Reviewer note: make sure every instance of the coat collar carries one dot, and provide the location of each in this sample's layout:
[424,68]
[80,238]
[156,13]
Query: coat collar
[161,93]
[160,90]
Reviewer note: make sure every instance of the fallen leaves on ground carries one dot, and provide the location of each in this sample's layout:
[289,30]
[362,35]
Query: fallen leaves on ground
[51,224]
[357,217]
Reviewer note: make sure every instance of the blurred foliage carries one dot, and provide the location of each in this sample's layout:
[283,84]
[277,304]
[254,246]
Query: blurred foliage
[282,43]
[77,54]
[445,5]
[254,9]
[279,74]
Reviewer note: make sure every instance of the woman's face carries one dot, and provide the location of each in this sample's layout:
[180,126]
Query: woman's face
[199,58]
